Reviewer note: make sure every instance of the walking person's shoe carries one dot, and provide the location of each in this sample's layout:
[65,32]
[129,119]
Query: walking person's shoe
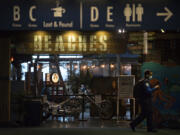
[152,130]
[132,127]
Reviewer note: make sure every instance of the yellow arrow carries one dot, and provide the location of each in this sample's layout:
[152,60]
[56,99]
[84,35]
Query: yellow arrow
[168,14]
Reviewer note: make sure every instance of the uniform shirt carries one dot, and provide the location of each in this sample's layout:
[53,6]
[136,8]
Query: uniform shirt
[148,87]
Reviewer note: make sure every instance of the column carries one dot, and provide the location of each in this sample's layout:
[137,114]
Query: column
[4,80]
[145,46]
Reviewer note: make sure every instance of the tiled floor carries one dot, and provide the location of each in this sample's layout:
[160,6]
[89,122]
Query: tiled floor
[91,126]
[86,126]
[90,123]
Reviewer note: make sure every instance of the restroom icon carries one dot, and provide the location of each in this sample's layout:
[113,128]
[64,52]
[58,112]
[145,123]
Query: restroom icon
[135,12]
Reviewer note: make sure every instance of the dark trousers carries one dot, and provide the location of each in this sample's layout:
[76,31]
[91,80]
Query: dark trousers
[146,113]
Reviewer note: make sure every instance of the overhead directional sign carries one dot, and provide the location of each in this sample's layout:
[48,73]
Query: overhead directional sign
[89,14]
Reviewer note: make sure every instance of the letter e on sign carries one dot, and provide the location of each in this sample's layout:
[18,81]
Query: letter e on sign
[109,14]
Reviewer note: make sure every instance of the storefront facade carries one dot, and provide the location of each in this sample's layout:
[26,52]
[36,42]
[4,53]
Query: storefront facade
[79,27]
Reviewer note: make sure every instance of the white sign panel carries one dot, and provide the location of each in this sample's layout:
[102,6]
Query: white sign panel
[125,86]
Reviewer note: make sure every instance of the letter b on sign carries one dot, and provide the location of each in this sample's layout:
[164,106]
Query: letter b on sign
[16,13]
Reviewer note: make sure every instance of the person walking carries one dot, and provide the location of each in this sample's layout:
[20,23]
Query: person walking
[145,102]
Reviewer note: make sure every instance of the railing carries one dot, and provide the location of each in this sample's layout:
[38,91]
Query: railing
[96,104]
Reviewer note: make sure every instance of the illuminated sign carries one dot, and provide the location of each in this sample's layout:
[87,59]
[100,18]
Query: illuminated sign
[70,43]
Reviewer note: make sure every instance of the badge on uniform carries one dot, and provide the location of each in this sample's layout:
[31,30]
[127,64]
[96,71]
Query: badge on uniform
[147,84]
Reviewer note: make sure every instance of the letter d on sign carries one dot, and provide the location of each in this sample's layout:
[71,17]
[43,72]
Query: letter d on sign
[16,13]
[94,14]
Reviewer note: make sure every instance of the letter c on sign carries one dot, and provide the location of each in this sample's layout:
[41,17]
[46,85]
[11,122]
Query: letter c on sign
[31,13]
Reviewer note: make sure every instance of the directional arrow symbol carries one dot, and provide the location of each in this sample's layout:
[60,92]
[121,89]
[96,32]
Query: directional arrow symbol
[168,14]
